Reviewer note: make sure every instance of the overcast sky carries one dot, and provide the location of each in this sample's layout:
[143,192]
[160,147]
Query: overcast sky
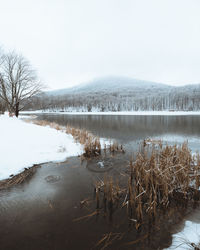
[73,41]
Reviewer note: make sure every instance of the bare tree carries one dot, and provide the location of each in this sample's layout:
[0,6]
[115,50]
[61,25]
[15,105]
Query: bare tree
[18,82]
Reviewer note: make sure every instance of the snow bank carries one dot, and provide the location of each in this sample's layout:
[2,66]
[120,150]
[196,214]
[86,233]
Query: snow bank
[156,113]
[23,144]
[190,234]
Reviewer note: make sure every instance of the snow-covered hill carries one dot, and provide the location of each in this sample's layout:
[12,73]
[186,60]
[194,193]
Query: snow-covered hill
[112,84]
[121,94]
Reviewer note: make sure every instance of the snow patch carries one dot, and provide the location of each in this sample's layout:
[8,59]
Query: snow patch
[190,234]
[23,144]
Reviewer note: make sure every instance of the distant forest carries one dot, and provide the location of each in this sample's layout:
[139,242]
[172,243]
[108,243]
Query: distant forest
[179,99]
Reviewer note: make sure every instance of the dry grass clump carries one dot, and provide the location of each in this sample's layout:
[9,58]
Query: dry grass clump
[150,141]
[19,178]
[92,147]
[157,179]
[92,144]
[80,135]
[108,239]
[38,122]
[115,147]
[160,177]
[111,194]
[46,123]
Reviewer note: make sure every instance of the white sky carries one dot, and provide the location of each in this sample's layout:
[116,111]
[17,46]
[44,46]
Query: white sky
[73,41]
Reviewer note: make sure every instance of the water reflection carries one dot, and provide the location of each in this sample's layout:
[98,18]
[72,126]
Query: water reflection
[130,129]
[40,214]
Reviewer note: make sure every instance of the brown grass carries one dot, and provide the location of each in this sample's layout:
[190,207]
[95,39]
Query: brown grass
[92,145]
[86,216]
[19,178]
[158,177]
[108,239]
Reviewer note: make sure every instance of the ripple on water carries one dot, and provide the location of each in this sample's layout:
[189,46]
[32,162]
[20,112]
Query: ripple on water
[52,178]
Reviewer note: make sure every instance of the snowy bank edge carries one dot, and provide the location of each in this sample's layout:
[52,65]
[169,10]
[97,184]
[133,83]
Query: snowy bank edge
[128,113]
[19,166]
[189,234]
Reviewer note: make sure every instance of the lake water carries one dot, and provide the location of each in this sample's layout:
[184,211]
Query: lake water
[130,130]
[42,213]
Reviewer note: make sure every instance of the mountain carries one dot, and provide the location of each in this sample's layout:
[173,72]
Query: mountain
[112,84]
[190,88]
[120,94]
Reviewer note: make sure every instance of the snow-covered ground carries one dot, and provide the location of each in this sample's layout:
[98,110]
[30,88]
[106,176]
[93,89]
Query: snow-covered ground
[158,113]
[190,234]
[23,144]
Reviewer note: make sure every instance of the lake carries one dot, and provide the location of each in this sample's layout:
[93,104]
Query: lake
[130,130]
[49,211]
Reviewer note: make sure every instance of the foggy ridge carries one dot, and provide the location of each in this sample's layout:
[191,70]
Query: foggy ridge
[120,94]
[111,84]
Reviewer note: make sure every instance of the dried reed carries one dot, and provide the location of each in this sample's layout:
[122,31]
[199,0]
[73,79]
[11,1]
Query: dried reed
[159,177]
[92,144]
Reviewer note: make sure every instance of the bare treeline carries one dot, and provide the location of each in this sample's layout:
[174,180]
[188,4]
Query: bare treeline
[176,98]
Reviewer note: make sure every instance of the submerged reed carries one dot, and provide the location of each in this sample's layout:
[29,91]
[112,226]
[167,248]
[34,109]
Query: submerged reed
[159,177]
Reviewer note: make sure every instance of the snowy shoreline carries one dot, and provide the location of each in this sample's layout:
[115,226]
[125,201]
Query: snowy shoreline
[128,113]
[23,145]
[190,234]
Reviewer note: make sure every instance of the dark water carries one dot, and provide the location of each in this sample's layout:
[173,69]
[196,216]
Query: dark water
[41,214]
[129,130]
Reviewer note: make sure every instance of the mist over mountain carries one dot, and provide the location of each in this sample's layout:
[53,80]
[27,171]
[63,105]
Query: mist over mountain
[120,94]
[112,84]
